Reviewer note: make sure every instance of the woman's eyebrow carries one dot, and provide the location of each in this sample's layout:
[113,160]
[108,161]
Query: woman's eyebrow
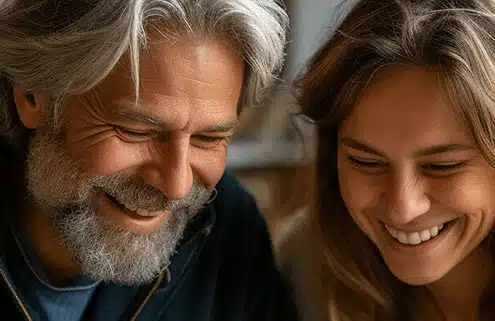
[436,149]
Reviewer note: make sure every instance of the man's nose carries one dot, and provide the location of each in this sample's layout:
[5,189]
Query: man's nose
[170,171]
[405,199]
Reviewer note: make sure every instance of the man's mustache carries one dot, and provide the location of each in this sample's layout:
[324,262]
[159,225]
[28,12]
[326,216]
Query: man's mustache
[135,193]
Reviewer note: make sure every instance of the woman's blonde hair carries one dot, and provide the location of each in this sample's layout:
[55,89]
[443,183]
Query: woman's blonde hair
[454,37]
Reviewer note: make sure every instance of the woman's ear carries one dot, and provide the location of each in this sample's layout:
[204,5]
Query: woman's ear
[31,108]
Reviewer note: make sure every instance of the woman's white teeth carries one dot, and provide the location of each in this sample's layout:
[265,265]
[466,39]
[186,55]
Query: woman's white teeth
[414,238]
[425,235]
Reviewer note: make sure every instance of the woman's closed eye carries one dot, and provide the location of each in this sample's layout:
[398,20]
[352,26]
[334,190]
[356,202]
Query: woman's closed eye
[365,163]
[443,168]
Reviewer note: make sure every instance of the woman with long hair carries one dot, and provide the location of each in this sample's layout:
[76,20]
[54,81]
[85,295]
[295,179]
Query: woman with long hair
[403,98]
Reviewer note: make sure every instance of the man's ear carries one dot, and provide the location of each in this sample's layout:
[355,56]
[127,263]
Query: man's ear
[31,108]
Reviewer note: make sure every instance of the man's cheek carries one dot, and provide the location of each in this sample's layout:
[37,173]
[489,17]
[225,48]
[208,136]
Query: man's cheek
[108,158]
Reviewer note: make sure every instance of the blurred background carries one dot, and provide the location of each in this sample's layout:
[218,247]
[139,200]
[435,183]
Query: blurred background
[272,150]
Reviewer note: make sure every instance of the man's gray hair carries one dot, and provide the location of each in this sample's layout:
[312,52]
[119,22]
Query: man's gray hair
[63,48]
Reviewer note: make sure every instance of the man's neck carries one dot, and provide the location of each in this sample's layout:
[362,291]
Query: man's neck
[54,259]
[458,294]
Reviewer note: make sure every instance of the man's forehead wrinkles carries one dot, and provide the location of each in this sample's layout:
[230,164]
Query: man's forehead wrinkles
[139,113]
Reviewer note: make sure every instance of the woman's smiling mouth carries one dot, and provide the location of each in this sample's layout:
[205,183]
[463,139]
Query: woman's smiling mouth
[416,237]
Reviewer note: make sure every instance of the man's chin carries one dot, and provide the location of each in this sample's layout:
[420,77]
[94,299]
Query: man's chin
[126,277]
[108,252]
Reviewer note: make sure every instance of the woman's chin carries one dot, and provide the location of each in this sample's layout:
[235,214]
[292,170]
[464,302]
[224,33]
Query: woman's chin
[417,276]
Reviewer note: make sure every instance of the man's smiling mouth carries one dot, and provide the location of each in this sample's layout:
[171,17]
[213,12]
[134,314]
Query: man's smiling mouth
[134,210]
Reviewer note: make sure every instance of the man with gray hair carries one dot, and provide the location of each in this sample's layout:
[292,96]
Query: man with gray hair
[115,117]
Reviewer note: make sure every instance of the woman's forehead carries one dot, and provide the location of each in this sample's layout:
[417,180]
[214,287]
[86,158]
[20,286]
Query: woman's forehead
[405,105]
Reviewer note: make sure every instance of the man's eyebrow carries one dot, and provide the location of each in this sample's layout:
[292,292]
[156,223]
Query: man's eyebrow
[220,128]
[438,149]
[139,117]
[150,120]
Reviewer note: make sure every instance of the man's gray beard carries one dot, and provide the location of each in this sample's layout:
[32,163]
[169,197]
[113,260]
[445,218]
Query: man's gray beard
[105,251]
